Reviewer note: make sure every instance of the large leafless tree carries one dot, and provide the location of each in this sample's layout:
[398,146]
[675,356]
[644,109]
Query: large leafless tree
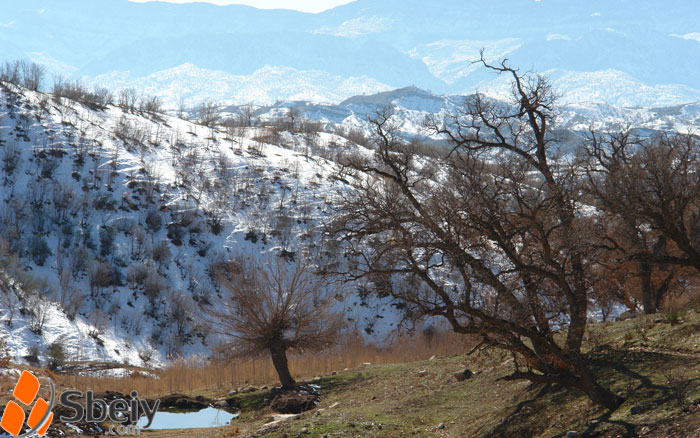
[489,236]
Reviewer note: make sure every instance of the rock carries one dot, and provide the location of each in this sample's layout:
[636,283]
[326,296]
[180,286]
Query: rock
[233,392]
[233,402]
[645,430]
[433,357]
[179,401]
[304,430]
[626,315]
[248,389]
[334,373]
[422,373]
[366,364]
[294,401]
[441,426]
[572,434]
[316,379]
[463,375]
[264,387]
[221,404]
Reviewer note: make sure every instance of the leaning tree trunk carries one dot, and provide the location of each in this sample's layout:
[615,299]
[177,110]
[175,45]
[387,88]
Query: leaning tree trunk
[278,353]
[594,391]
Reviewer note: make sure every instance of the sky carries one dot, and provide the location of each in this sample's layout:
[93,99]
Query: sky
[299,5]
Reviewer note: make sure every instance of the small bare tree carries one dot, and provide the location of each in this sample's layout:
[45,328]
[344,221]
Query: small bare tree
[208,113]
[245,115]
[33,75]
[274,308]
[292,119]
[127,99]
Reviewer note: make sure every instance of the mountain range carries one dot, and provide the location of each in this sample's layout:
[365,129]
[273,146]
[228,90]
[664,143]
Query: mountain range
[599,51]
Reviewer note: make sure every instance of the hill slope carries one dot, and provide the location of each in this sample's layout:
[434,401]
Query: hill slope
[114,223]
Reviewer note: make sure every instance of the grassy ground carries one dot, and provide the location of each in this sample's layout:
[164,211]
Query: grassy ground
[653,361]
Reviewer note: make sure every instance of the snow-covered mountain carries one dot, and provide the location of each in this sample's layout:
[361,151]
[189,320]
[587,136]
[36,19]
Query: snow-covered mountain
[114,223]
[621,52]
[193,85]
[412,105]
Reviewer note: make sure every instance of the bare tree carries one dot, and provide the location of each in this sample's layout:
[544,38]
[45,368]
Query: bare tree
[32,75]
[245,115]
[127,99]
[654,184]
[151,104]
[208,113]
[274,308]
[11,72]
[292,119]
[488,236]
[651,191]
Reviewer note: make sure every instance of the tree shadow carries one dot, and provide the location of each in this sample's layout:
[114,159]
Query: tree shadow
[611,365]
[513,424]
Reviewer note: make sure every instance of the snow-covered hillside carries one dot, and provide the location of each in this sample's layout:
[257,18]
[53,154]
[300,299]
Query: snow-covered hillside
[113,223]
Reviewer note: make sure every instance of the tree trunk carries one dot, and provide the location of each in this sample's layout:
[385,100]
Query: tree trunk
[597,393]
[661,291]
[278,353]
[647,288]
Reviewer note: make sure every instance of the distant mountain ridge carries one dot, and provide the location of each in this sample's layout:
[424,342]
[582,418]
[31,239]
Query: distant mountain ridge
[411,105]
[652,51]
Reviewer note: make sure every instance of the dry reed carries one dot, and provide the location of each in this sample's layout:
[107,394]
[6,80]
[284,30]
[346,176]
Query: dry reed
[216,378]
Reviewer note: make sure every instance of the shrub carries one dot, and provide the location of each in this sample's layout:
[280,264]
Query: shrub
[101,275]
[10,158]
[56,354]
[105,202]
[154,287]
[38,249]
[161,252]
[154,221]
[151,105]
[124,224]
[136,275]
[74,301]
[38,312]
[146,355]
[33,355]
[107,236]
[675,317]
[5,355]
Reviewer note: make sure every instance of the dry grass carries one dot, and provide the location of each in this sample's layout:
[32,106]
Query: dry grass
[216,378]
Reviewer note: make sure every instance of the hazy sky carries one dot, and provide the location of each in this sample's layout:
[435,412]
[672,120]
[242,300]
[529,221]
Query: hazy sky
[299,5]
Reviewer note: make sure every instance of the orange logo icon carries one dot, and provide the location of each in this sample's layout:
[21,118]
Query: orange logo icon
[40,417]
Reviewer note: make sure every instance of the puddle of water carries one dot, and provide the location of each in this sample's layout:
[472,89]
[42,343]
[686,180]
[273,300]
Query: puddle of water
[209,417]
